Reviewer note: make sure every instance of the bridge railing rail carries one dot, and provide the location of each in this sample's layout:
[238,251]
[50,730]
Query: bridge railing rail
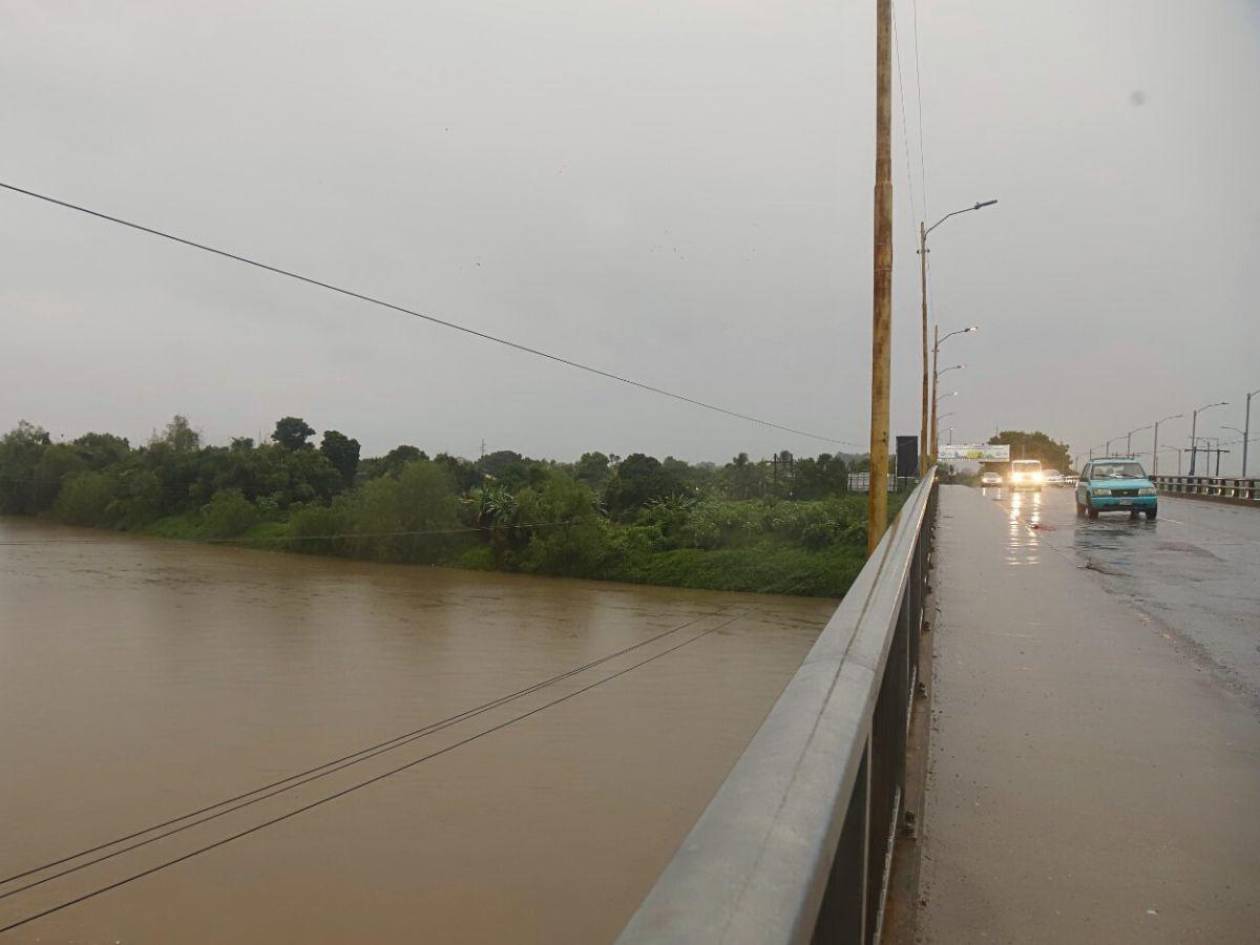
[1222,487]
[796,845]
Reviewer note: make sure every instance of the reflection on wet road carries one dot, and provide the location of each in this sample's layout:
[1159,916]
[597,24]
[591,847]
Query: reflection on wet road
[1195,570]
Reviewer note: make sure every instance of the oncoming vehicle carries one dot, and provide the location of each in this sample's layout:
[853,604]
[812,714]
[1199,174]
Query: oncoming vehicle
[1026,474]
[1116,485]
[1052,477]
[990,478]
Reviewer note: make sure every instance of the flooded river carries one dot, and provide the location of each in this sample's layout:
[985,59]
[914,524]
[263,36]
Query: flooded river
[560,739]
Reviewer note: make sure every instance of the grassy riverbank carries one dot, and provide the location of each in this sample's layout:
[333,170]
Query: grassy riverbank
[787,527]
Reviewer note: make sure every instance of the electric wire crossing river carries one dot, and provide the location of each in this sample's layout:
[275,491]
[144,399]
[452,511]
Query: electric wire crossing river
[468,744]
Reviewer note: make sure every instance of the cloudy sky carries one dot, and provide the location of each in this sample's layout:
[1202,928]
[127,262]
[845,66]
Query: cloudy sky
[678,192]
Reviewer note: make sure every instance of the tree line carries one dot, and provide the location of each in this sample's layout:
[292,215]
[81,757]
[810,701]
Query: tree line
[784,524]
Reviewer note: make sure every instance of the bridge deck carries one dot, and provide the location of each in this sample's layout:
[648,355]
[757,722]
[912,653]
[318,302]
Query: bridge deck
[1091,780]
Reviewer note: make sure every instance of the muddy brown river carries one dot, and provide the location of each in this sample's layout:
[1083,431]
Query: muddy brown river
[553,741]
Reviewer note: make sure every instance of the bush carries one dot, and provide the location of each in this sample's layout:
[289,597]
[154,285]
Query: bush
[85,499]
[228,514]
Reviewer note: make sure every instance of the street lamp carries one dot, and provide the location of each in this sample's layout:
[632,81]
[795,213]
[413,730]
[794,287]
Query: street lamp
[1194,421]
[922,276]
[1128,443]
[1109,442]
[1247,425]
[923,251]
[937,341]
[1155,448]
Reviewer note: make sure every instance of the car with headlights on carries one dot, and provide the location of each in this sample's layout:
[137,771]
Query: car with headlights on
[1116,485]
[990,478]
[1052,477]
[1025,474]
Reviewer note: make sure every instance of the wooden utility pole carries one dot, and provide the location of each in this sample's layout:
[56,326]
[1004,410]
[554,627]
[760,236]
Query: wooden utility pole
[881,339]
[936,380]
[926,446]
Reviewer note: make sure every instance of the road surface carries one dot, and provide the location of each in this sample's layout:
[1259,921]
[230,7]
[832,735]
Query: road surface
[1094,770]
[1195,571]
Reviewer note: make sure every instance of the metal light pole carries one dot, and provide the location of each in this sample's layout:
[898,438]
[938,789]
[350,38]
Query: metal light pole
[1194,422]
[1155,448]
[923,251]
[881,305]
[1247,436]
[1128,443]
[937,341]
[1109,442]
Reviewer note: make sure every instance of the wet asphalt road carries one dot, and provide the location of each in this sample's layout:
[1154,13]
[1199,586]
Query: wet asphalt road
[1195,570]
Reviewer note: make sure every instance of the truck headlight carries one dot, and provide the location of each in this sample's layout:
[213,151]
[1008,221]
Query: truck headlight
[1102,492]
[1147,490]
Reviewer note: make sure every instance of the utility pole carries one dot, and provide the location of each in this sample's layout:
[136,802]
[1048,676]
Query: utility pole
[936,363]
[1155,448]
[1194,422]
[927,446]
[881,315]
[1246,434]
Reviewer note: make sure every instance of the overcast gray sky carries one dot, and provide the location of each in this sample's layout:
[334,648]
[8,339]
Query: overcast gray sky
[678,192]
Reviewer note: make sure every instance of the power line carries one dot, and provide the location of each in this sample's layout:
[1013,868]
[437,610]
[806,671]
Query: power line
[319,283]
[918,82]
[362,784]
[310,774]
[905,133]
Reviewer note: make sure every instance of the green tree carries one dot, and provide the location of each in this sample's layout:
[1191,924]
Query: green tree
[178,435]
[342,452]
[292,433]
[592,470]
[99,450]
[818,478]
[569,537]
[392,463]
[744,479]
[228,514]
[20,452]
[1036,445]
[638,479]
[86,499]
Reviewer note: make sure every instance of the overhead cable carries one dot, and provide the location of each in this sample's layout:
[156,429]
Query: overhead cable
[455,326]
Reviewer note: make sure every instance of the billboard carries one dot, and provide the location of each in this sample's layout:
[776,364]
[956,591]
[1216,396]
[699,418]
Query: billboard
[979,452]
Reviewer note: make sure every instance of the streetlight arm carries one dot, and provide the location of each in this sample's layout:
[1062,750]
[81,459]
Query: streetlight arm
[979,206]
[960,331]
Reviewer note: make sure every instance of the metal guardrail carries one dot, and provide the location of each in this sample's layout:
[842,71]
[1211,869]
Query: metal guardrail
[1243,490]
[796,845]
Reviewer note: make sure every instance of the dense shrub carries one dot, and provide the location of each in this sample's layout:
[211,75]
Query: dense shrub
[228,514]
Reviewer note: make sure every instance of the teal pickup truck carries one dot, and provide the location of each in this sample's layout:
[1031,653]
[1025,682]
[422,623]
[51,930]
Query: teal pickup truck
[1116,485]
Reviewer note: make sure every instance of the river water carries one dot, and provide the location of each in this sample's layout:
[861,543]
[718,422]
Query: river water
[141,680]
